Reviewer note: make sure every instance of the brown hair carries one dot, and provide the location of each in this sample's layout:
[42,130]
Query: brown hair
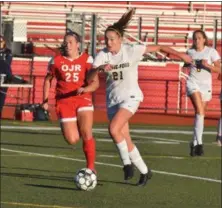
[204,36]
[120,26]
[69,32]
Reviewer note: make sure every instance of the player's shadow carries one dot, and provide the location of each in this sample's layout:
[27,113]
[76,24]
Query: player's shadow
[36,176]
[55,187]
[34,169]
[116,182]
[52,187]
[32,132]
[35,145]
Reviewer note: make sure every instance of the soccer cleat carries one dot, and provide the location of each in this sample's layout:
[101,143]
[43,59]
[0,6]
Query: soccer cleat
[219,140]
[144,178]
[199,150]
[193,150]
[128,171]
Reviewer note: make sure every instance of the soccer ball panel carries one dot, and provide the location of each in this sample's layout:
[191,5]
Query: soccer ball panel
[81,180]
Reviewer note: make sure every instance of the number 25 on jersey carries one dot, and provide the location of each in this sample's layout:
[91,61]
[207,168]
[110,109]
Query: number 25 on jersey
[72,76]
[71,72]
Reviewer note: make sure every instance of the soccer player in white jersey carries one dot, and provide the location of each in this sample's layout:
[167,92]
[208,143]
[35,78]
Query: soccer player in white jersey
[219,128]
[199,84]
[120,63]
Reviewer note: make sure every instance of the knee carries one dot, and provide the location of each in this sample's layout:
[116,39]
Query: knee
[113,130]
[72,139]
[86,133]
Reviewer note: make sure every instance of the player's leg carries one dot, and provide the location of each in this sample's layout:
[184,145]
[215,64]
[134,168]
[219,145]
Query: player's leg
[85,123]
[199,106]
[118,118]
[136,158]
[3,92]
[67,116]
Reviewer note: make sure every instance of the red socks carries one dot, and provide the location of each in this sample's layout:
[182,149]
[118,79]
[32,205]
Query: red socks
[89,148]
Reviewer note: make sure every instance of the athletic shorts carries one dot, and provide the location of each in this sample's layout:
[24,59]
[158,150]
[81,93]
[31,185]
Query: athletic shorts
[130,105]
[205,90]
[67,109]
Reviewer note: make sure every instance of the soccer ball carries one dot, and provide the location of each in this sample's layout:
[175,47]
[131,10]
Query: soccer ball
[85,179]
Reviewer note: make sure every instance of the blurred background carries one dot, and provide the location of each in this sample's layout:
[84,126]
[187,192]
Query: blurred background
[33,31]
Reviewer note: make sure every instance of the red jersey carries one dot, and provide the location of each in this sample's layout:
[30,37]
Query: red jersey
[70,74]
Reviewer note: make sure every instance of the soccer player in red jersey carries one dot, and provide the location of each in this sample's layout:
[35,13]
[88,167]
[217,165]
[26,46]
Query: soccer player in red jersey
[73,94]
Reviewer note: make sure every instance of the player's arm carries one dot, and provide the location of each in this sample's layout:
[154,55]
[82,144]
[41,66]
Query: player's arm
[93,84]
[47,84]
[46,87]
[216,67]
[96,70]
[157,48]
[98,66]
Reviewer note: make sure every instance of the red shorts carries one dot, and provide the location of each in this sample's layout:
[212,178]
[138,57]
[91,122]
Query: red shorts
[67,109]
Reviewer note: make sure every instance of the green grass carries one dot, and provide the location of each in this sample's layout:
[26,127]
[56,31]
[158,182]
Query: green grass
[37,181]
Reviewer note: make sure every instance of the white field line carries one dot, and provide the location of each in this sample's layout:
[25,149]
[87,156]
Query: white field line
[161,140]
[159,131]
[105,131]
[150,137]
[138,142]
[114,165]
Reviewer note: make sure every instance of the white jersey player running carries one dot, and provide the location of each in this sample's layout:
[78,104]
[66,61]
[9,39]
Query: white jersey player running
[120,63]
[122,81]
[199,84]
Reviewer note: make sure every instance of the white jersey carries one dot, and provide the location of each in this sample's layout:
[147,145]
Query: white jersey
[202,77]
[122,80]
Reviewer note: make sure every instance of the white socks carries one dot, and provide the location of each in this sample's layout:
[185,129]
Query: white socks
[138,161]
[219,129]
[123,151]
[133,156]
[198,129]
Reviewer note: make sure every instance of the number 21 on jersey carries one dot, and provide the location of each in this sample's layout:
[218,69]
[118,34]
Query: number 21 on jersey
[117,75]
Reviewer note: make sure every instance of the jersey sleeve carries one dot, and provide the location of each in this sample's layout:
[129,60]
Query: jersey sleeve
[51,67]
[138,51]
[99,60]
[215,55]
[89,63]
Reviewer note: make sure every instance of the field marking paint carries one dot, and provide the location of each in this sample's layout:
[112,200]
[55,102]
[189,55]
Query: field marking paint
[117,156]
[114,165]
[168,141]
[105,131]
[35,205]
[159,131]
[140,142]
[111,156]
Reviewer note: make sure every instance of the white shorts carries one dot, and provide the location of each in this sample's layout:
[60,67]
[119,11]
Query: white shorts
[130,105]
[205,90]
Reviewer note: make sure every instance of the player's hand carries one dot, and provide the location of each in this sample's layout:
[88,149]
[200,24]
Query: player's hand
[105,67]
[108,67]
[205,63]
[186,58]
[45,106]
[80,91]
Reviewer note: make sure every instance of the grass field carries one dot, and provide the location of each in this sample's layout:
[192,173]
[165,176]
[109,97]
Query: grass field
[37,170]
